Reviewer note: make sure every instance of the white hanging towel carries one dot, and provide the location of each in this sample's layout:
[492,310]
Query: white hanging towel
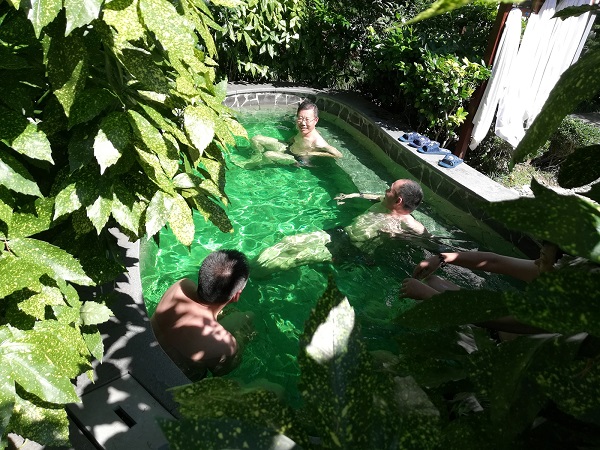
[531,60]
[505,55]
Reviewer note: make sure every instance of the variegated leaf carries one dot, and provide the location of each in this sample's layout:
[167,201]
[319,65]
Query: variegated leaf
[157,212]
[81,12]
[15,176]
[112,139]
[33,143]
[181,221]
[43,12]
[199,126]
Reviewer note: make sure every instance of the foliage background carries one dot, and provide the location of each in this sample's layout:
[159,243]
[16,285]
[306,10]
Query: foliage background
[110,116]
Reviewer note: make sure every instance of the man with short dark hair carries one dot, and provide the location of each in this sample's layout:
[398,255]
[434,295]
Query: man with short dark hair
[185,321]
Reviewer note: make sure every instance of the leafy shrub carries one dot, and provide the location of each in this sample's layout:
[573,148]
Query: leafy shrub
[430,89]
[257,38]
[571,134]
[109,117]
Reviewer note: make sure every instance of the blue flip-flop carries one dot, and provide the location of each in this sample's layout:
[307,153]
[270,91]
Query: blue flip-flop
[433,148]
[420,141]
[409,137]
[450,161]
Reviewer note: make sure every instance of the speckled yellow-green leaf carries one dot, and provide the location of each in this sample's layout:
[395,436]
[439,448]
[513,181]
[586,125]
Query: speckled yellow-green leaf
[66,201]
[93,340]
[126,210]
[205,34]
[80,13]
[33,143]
[28,223]
[223,133]
[122,15]
[67,314]
[185,85]
[16,177]
[25,354]
[199,126]
[578,83]
[6,213]
[235,127]
[580,167]
[67,69]
[575,388]
[166,125]
[43,12]
[154,169]
[174,32]
[57,262]
[93,313]
[35,305]
[157,212]
[154,141]
[112,139]
[88,104]
[71,357]
[563,301]
[41,424]
[99,212]
[7,392]
[181,221]
[569,221]
[17,273]
[211,211]
[142,66]
[12,124]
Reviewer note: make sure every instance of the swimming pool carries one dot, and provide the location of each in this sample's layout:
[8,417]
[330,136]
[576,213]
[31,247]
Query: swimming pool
[270,202]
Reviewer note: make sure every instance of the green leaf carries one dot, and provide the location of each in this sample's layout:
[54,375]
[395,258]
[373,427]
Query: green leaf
[571,222]
[575,388]
[25,354]
[476,306]
[154,141]
[181,221]
[93,340]
[93,313]
[15,176]
[7,393]
[212,434]
[575,11]
[500,375]
[142,66]
[17,274]
[66,201]
[33,143]
[71,355]
[89,104]
[35,305]
[67,69]
[161,18]
[43,12]
[580,167]
[26,223]
[126,210]
[212,212]
[41,423]
[99,211]
[157,212]
[564,301]
[112,139]
[199,126]
[12,125]
[578,83]
[444,6]
[57,262]
[80,13]
[122,15]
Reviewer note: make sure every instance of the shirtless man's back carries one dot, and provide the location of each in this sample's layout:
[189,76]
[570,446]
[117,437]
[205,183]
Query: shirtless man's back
[185,321]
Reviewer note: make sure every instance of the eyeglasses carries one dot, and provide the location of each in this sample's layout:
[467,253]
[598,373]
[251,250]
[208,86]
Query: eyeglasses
[305,119]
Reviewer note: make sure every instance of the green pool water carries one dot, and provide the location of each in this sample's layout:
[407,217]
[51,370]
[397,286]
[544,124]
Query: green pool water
[270,202]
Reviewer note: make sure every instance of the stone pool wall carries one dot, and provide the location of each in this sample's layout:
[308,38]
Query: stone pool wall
[461,186]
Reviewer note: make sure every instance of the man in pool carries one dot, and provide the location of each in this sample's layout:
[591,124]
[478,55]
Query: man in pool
[185,322]
[307,143]
[390,217]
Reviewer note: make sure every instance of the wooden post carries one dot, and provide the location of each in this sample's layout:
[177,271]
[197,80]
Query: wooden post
[464,136]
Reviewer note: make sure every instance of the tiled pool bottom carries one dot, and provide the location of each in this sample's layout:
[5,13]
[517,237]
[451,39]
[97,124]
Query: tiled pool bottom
[457,191]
